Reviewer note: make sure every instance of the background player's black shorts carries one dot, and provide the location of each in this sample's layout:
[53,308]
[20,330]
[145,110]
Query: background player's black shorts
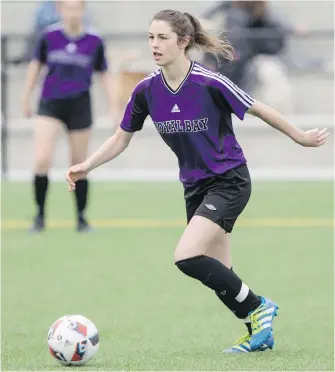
[221,198]
[75,113]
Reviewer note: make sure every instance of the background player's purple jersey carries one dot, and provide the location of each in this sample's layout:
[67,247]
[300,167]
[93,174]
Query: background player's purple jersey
[70,62]
[195,120]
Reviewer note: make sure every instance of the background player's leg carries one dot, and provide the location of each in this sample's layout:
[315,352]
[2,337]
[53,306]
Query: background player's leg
[45,139]
[79,140]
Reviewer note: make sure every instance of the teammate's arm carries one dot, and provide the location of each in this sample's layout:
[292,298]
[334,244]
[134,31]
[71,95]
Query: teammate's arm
[310,138]
[101,66]
[107,84]
[32,74]
[33,71]
[133,120]
[114,146]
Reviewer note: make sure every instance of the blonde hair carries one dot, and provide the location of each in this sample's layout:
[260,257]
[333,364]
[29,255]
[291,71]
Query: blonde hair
[184,24]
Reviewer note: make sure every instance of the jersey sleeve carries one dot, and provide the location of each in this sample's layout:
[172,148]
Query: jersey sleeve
[238,101]
[100,63]
[40,51]
[136,111]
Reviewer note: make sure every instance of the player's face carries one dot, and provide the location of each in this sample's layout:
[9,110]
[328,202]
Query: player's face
[163,43]
[71,11]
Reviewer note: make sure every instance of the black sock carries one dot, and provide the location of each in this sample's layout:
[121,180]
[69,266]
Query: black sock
[81,192]
[226,284]
[40,191]
[246,320]
[248,325]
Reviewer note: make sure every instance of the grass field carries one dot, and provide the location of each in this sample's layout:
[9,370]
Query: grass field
[149,315]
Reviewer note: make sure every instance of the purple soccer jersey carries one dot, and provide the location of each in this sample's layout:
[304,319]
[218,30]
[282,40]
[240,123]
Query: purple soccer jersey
[194,121]
[70,62]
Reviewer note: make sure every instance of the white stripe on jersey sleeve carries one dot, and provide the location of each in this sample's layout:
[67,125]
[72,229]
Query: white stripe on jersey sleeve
[153,74]
[228,84]
[220,76]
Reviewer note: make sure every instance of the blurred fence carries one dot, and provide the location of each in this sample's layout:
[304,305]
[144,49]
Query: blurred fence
[270,154]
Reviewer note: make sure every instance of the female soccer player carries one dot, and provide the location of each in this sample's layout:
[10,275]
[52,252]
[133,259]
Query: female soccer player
[191,108]
[71,52]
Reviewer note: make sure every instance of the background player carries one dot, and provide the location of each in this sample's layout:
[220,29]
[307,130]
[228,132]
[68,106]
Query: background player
[71,52]
[191,108]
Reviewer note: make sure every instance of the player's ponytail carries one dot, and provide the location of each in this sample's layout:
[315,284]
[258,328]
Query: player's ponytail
[184,24]
[208,42]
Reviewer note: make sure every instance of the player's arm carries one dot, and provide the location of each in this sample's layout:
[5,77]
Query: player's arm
[107,85]
[133,120]
[114,146]
[101,66]
[310,138]
[240,103]
[33,71]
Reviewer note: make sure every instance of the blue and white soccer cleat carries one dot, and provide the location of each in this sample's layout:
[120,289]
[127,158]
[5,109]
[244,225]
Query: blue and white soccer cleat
[261,322]
[242,345]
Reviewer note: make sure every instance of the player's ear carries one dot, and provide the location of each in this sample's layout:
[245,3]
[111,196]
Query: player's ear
[183,42]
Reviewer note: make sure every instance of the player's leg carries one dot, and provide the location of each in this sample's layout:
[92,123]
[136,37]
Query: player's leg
[193,259]
[79,132]
[79,140]
[45,138]
[216,215]
[222,251]
[195,197]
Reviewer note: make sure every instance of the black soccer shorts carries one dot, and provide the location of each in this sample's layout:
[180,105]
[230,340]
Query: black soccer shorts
[75,113]
[221,198]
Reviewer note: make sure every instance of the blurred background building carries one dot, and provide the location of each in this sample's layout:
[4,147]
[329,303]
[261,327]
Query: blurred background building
[285,55]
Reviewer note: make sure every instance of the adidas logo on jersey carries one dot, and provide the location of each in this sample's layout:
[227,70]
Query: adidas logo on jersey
[175,108]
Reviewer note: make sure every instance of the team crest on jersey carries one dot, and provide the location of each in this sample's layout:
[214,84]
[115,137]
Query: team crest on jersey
[71,48]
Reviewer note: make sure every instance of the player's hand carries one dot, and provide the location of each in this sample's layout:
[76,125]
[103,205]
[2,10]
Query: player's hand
[313,138]
[75,173]
[26,109]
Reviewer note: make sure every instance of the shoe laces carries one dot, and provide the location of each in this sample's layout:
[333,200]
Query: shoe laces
[254,319]
[242,339]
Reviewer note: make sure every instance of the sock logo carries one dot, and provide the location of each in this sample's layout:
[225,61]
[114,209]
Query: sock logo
[223,293]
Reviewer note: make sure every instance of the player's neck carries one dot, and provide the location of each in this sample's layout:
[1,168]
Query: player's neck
[74,31]
[176,72]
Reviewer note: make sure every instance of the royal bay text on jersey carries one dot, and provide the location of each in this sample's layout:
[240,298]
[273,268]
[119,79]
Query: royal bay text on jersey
[177,126]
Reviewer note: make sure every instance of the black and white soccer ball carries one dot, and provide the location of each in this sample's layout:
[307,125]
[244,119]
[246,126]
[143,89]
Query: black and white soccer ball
[73,340]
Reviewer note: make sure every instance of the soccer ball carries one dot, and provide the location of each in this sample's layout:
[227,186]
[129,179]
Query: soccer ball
[73,340]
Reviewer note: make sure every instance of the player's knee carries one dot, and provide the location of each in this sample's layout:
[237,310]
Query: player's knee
[194,267]
[184,253]
[176,257]
[77,158]
[42,165]
[180,254]
[187,248]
